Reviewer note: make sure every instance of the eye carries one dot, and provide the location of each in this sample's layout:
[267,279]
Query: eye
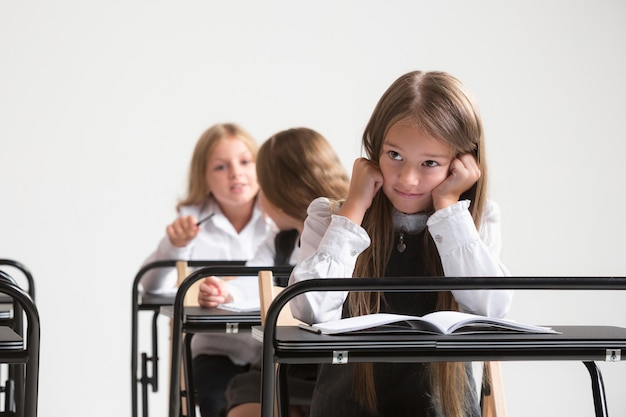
[431,164]
[395,155]
[247,161]
[219,167]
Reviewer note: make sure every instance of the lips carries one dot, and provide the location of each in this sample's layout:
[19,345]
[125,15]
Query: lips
[237,187]
[406,194]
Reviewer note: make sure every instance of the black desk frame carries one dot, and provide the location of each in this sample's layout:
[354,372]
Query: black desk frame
[138,305]
[13,388]
[281,274]
[27,358]
[273,381]
[25,271]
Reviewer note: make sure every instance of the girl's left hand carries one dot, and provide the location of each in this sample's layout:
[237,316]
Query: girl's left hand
[464,172]
[213,292]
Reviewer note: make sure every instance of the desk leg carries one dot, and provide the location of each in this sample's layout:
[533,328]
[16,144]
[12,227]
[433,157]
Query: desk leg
[597,387]
[282,391]
[9,394]
[144,384]
[154,380]
[190,391]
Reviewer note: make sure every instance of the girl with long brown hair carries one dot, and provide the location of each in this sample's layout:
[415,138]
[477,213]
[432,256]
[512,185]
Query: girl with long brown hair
[416,206]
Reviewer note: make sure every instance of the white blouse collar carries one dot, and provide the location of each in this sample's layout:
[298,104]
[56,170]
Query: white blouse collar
[410,223]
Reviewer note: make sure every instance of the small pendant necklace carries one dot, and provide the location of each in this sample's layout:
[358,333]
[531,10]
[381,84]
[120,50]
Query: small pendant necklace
[401,246]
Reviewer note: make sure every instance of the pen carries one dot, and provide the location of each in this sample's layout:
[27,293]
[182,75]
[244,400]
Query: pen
[204,219]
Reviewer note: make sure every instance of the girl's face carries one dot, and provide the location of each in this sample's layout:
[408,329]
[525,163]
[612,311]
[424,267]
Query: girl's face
[231,173]
[413,164]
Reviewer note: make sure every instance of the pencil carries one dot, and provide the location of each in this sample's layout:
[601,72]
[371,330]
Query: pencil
[204,219]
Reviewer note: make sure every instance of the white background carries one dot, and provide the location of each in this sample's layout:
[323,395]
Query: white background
[101,104]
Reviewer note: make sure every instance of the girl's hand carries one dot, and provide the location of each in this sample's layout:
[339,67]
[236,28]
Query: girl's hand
[464,172]
[365,182]
[213,292]
[182,231]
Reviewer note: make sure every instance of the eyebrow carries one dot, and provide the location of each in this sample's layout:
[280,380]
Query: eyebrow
[246,154]
[428,155]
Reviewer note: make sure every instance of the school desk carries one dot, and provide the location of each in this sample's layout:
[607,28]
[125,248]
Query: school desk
[290,345]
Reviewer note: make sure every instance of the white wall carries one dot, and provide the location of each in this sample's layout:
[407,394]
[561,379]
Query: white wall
[102,102]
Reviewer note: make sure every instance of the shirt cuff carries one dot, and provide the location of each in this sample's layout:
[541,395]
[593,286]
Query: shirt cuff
[344,240]
[452,227]
[169,251]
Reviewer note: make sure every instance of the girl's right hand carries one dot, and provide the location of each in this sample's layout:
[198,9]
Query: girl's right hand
[213,291]
[182,231]
[365,182]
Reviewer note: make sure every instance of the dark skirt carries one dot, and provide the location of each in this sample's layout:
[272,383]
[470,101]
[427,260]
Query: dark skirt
[246,387]
[402,389]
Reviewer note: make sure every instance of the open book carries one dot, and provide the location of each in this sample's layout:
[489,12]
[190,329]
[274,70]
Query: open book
[242,306]
[439,322]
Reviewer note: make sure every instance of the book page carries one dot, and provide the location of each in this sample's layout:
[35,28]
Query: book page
[242,307]
[439,322]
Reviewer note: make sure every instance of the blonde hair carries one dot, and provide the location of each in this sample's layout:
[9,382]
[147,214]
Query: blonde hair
[297,165]
[440,106]
[197,191]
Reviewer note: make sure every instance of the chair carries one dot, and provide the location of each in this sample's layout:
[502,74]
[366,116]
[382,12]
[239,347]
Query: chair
[492,399]
[20,349]
[267,292]
[187,320]
[152,303]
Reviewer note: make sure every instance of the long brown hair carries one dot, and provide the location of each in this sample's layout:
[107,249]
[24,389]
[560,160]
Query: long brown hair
[197,192]
[296,166]
[439,105]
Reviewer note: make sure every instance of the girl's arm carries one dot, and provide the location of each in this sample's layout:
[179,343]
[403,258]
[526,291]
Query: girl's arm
[330,245]
[464,251]
[163,280]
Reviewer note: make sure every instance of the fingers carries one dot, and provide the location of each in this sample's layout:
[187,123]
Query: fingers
[464,172]
[469,166]
[213,291]
[365,182]
[182,231]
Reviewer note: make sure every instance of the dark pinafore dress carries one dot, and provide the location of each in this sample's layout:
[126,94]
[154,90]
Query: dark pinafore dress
[402,389]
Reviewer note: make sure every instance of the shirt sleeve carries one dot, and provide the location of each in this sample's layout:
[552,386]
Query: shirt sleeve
[466,251]
[163,280]
[330,245]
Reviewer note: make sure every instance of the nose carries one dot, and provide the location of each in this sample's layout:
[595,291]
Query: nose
[234,170]
[409,175]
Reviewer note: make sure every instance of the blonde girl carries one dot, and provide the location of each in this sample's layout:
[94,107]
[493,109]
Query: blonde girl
[218,219]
